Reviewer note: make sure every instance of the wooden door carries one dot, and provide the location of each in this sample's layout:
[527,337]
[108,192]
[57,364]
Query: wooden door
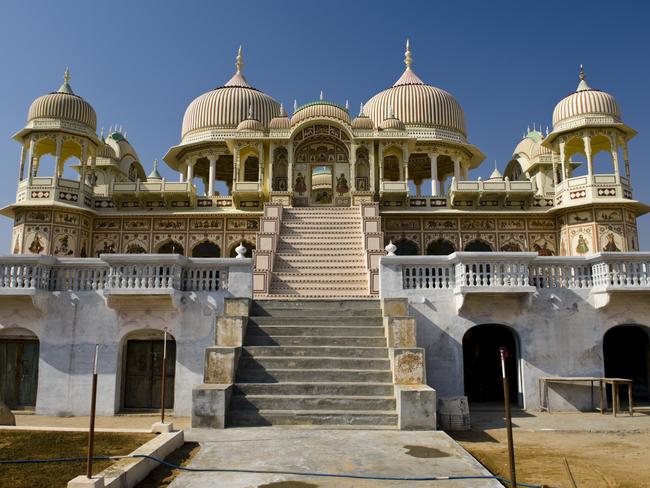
[19,372]
[143,374]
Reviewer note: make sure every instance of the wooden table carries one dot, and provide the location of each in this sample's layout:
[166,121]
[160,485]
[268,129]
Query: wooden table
[592,380]
[616,399]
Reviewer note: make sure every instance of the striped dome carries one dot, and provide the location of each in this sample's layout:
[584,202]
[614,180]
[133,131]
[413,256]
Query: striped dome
[583,102]
[281,121]
[63,104]
[531,145]
[225,107]
[320,110]
[417,104]
[106,151]
[363,122]
[392,123]
[250,124]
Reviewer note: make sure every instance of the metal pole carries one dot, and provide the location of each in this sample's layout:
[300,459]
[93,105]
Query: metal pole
[506,400]
[164,375]
[91,429]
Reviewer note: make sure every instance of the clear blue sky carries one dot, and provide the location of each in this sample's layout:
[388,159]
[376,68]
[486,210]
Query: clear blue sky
[139,63]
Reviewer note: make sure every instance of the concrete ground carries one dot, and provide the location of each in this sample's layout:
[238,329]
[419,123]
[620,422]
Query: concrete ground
[358,452]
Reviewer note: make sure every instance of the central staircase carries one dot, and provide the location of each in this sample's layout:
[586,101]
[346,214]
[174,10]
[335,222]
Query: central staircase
[310,362]
[320,254]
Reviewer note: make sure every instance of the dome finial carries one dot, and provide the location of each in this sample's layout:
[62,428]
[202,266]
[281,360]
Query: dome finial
[250,110]
[65,87]
[321,95]
[295,105]
[361,114]
[408,60]
[239,60]
[391,112]
[154,175]
[282,112]
[583,83]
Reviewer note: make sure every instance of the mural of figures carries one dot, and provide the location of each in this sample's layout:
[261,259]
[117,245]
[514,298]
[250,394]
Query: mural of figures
[611,238]
[582,247]
[18,242]
[37,244]
[64,245]
[83,250]
[300,185]
[543,248]
[342,184]
[582,241]
[107,247]
[611,246]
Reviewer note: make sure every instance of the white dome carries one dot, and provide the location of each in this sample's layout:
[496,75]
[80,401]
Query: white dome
[225,107]
[63,104]
[417,104]
[585,102]
[320,110]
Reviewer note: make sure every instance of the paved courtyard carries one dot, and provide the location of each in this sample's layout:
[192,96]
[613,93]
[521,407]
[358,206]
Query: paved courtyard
[358,452]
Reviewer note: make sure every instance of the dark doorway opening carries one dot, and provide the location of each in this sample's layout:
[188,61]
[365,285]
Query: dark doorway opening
[206,249]
[406,247]
[626,351]
[478,246]
[19,372]
[250,247]
[171,247]
[440,247]
[482,364]
[143,373]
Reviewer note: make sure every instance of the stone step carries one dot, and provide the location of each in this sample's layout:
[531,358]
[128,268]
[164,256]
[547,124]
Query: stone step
[325,248]
[307,351]
[284,294]
[313,417]
[342,278]
[320,227]
[314,330]
[319,269]
[318,256]
[259,375]
[306,340]
[315,285]
[324,320]
[325,388]
[322,238]
[297,362]
[312,402]
[307,308]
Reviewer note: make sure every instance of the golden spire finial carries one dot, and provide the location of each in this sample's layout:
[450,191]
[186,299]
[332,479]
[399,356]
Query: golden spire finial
[408,60]
[240,60]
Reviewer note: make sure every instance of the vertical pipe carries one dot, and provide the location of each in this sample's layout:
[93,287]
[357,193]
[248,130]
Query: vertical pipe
[506,401]
[91,429]
[164,376]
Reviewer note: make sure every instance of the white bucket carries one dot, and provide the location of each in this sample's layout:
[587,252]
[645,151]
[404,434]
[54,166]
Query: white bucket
[453,413]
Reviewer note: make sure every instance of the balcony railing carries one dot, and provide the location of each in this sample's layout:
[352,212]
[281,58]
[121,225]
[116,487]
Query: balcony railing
[514,272]
[143,274]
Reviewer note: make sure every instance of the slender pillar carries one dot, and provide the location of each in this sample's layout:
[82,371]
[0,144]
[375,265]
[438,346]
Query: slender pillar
[21,172]
[58,171]
[465,170]
[405,158]
[565,173]
[373,169]
[260,163]
[590,163]
[554,160]
[84,163]
[93,167]
[30,169]
[353,167]
[381,167]
[271,163]
[627,160]
[290,168]
[181,173]
[617,171]
[190,170]
[211,172]
[457,168]
[434,174]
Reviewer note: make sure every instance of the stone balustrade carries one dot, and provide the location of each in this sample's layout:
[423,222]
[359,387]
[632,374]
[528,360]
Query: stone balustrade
[503,272]
[125,273]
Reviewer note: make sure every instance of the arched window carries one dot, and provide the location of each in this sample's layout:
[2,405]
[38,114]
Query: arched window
[135,248]
[440,247]
[406,247]
[171,247]
[206,249]
[391,168]
[510,247]
[626,352]
[478,245]
[251,168]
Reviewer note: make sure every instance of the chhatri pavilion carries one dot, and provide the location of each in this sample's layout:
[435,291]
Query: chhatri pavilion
[355,254]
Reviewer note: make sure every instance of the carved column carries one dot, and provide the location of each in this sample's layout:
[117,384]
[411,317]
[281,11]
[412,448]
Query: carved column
[353,166]
[271,163]
[290,155]
[84,163]
[434,174]
[211,173]
[260,165]
[627,160]
[190,169]
[617,171]
[456,160]
[565,173]
[30,169]
[371,163]
[590,164]
[235,168]
[93,166]
[554,161]
[405,158]
[381,166]
[58,171]
[21,171]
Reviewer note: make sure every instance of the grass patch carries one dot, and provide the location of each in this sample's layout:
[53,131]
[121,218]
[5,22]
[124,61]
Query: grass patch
[162,476]
[45,445]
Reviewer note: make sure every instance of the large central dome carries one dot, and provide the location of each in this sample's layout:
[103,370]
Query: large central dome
[417,104]
[225,107]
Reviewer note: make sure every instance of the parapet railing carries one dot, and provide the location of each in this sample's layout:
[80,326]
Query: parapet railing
[504,271]
[136,273]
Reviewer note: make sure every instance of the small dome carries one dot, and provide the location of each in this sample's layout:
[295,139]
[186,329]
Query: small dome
[251,123]
[585,102]
[154,175]
[362,121]
[63,104]
[120,145]
[392,123]
[106,151]
[531,145]
[417,104]
[320,110]
[227,106]
[281,121]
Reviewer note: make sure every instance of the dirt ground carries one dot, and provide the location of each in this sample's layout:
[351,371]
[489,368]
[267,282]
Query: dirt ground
[605,452]
[18,444]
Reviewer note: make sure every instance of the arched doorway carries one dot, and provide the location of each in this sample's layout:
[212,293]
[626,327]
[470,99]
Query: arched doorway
[143,355]
[478,245]
[440,247]
[206,249]
[482,363]
[19,350]
[406,247]
[250,247]
[171,247]
[626,353]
